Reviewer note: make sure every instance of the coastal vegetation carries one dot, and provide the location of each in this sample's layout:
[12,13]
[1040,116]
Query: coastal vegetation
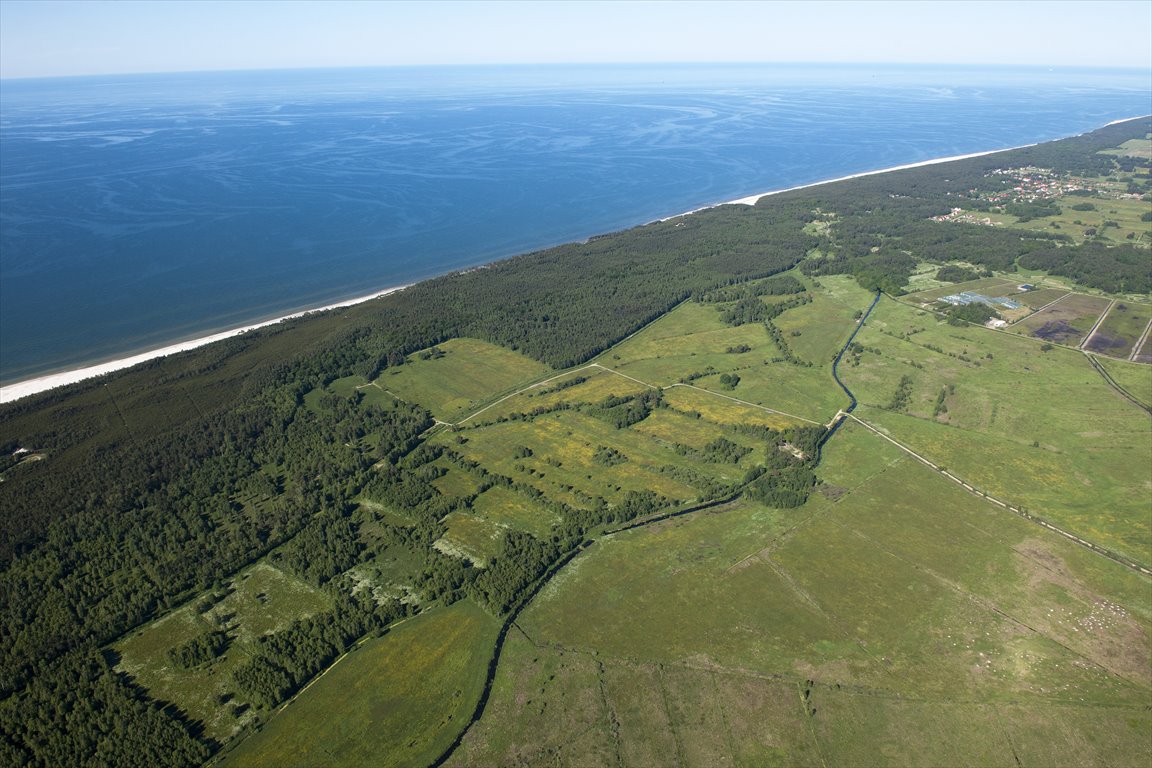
[529,512]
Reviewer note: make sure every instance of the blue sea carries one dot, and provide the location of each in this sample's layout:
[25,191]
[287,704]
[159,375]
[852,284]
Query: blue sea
[136,211]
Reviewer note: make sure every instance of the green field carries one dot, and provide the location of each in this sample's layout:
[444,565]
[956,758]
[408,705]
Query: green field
[872,628]
[725,409]
[598,384]
[1135,378]
[691,343]
[469,373]
[1035,428]
[509,509]
[563,463]
[396,700]
[1041,297]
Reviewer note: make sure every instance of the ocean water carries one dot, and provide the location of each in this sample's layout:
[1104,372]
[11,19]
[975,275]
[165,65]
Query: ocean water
[138,211]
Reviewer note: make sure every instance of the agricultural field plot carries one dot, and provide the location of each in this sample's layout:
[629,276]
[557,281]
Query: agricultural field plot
[1122,328]
[396,700]
[818,330]
[923,278]
[692,342]
[804,393]
[370,393]
[1112,219]
[1035,428]
[1097,487]
[1041,297]
[455,482]
[257,601]
[389,574]
[1134,377]
[454,377]
[477,534]
[575,458]
[646,715]
[551,711]
[690,338]
[858,729]
[724,409]
[471,538]
[871,628]
[509,509]
[1141,148]
[1067,322]
[988,286]
[592,385]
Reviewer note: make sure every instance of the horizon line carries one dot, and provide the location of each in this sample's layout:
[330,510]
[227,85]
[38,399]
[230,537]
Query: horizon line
[593,64]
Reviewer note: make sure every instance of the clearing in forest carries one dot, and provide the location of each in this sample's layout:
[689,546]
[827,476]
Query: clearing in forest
[453,378]
[257,601]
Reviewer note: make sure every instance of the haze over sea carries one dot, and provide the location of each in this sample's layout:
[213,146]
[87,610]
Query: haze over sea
[137,211]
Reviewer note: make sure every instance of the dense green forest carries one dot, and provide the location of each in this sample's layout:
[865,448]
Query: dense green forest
[154,484]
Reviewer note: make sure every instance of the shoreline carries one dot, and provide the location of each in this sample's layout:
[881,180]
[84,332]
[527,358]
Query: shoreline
[21,389]
[755,198]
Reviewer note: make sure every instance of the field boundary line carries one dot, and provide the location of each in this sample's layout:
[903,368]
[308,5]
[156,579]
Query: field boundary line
[1119,559]
[623,375]
[1140,342]
[1041,309]
[1099,321]
[742,402]
[1114,384]
[521,391]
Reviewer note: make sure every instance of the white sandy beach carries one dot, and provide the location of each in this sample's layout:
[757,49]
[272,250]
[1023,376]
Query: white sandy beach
[43,383]
[753,199]
[51,381]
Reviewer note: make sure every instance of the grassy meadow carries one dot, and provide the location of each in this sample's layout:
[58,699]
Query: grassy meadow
[1035,428]
[1135,378]
[396,700]
[871,626]
[691,343]
[451,379]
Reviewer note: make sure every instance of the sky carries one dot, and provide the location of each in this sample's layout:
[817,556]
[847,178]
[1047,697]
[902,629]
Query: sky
[45,38]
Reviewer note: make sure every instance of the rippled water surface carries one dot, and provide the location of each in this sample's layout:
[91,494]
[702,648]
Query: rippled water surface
[136,211]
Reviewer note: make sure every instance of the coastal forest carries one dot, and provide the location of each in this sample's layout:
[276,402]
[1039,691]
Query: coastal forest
[854,475]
